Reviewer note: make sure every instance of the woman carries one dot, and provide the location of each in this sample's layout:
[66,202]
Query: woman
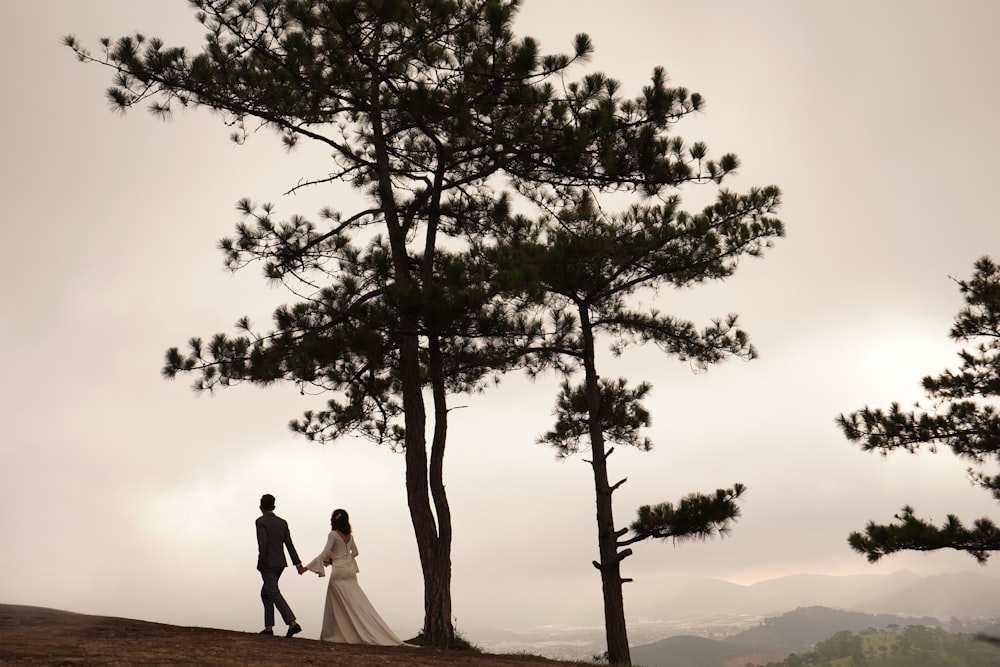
[348,616]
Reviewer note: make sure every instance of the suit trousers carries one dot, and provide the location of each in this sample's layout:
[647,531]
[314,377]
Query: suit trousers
[272,597]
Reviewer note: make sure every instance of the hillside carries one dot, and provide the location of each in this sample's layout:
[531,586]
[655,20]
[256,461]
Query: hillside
[37,636]
[915,645]
[807,625]
[770,641]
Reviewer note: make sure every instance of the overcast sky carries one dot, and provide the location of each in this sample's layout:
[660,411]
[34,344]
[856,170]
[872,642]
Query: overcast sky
[129,495]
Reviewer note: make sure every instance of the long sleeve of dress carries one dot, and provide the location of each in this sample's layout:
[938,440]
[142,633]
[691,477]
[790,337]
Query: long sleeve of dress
[319,563]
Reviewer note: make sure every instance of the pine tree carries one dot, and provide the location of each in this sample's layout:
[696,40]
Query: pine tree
[419,103]
[579,266]
[961,415]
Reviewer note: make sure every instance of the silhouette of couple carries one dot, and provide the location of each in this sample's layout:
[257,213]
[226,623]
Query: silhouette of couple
[348,615]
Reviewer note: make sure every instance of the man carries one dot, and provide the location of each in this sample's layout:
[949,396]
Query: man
[272,539]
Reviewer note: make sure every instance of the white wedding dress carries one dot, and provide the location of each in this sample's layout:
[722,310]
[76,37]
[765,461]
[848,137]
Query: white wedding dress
[348,616]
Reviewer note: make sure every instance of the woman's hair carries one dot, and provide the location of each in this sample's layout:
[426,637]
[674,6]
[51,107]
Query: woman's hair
[340,521]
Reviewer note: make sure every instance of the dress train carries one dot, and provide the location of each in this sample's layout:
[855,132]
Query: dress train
[348,615]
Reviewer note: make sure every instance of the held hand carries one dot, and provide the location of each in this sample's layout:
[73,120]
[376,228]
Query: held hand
[300,568]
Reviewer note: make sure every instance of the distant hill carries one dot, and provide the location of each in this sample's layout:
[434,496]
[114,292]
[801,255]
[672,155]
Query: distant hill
[914,645]
[772,640]
[843,592]
[805,626]
[687,651]
[964,595]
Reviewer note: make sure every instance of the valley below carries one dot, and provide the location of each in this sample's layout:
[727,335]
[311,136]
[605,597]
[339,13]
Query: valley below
[797,610]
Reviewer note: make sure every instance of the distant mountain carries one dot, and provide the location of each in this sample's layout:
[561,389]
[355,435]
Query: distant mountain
[963,594]
[773,639]
[840,592]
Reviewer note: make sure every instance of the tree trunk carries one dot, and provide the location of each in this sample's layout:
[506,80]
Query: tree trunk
[615,630]
[438,630]
[417,493]
[610,567]
[433,535]
[437,598]
[610,562]
[433,549]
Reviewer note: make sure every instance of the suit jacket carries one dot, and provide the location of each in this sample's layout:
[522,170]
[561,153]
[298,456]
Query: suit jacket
[272,539]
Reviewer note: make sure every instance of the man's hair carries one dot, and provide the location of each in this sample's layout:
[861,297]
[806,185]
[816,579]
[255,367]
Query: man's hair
[267,502]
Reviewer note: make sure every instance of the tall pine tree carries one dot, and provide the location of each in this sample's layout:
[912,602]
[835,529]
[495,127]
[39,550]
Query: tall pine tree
[419,104]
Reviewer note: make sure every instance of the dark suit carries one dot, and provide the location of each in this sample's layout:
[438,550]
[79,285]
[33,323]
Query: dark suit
[273,538]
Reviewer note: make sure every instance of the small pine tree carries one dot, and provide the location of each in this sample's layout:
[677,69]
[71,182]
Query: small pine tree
[579,268]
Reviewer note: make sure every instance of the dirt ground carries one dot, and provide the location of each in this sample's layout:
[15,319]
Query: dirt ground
[38,636]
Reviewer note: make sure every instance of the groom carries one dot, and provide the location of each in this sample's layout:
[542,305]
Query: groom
[272,538]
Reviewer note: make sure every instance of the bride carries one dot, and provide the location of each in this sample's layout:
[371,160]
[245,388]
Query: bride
[348,615]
